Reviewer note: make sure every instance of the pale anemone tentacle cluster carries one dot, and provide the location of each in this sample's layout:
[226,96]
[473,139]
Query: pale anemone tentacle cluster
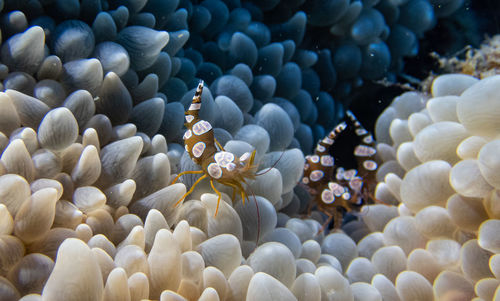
[86,203]
[441,167]
[440,242]
[85,220]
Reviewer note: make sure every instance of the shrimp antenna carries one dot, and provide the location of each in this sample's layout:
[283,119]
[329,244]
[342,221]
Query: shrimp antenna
[273,166]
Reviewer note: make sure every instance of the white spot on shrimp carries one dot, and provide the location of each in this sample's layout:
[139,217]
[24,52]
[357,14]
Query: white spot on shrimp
[327,160]
[368,139]
[336,188]
[364,151]
[201,127]
[214,170]
[198,149]
[194,106]
[346,196]
[245,156]
[320,148]
[223,158]
[361,132]
[370,165]
[340,173]
[187,134]
[327,140]
[349,174]
[189,118]
[315,159]
[316,175]
[231,166]
[356,183]
[305,180]
[327,196]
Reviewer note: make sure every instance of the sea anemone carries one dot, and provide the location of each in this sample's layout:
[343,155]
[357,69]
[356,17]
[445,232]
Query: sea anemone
[441,171]
[91,124]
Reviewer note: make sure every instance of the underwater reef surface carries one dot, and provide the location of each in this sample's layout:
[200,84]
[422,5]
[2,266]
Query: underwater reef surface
[305,56]
[91,127]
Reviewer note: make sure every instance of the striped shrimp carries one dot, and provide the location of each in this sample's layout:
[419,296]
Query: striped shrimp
[217,164]
[334,189]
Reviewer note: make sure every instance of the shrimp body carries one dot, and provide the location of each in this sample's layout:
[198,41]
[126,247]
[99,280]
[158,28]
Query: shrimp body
[365,154]
[334,189]
[217,164]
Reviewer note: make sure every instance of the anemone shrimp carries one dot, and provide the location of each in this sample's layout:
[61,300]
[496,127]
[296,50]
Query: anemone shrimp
[216,163]
[334,189]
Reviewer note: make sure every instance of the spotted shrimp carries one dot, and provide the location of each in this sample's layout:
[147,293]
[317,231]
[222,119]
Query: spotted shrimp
[334,189]
[216,163]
